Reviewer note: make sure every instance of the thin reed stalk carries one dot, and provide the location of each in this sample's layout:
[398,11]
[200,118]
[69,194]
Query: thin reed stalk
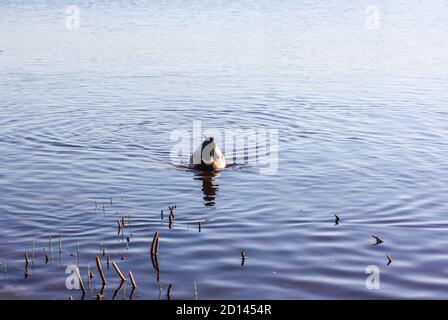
[100,269]
[155,244]
[131,276]
[168,291]
[120,274]
[81,283]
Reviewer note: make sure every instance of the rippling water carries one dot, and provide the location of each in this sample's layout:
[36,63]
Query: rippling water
[86,119]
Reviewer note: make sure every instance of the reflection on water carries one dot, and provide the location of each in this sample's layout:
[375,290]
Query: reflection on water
[210,185]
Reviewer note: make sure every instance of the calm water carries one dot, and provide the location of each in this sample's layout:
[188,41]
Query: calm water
[86,116]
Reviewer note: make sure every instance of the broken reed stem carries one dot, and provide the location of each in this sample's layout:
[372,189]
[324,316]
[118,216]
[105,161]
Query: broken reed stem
[100,269]
[102,249]
[131,276]
[168,292]
[26,266]
[117,290]
[161,214]
[120,274]
[155,264]
[81,283]
[60,243]
[199,225]
[155,244]
[107,260]
[119,226]
[171,220]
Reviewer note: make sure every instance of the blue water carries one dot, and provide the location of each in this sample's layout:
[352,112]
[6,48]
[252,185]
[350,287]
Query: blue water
[86,116]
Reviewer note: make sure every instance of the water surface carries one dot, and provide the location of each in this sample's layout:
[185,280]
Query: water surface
[86,117]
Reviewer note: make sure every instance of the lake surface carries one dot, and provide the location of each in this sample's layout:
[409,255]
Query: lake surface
[86,117]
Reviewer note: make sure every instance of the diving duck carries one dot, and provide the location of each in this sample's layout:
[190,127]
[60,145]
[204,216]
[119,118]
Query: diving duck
[208,156]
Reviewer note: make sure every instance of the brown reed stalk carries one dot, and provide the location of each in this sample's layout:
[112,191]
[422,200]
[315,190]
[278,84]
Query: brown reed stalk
[120,274]
[119,226]
[168,292]
[171,220]
[131,276]
[100,269]
[81,283]
[155,244]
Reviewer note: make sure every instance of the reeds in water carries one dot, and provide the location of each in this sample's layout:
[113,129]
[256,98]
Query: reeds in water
[154,252]
[171,218]
[100,269]
[389,260]
[168,291]
[337,219]
[120,274]
[26,266]
[81,282]
[155,244]
[60,244]
[119,226]
[377,240]
[46,257]
[117,290]
[131,276]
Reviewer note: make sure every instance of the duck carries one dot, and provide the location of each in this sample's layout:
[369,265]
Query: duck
[208,156]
